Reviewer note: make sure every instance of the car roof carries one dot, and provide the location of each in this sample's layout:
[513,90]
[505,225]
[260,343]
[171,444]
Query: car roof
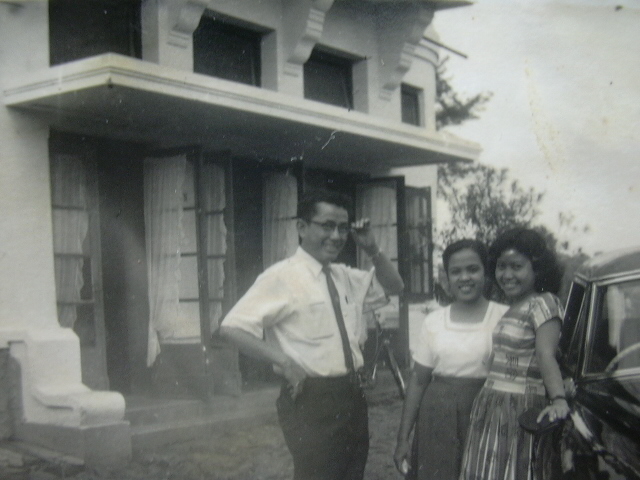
[611,264]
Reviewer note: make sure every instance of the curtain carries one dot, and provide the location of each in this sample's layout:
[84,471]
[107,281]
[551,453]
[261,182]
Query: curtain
[70,227]
[279,233]
[163,183]
[378,204]
[214,203]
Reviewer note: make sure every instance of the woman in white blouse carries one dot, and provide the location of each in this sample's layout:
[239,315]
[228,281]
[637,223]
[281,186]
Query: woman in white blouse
[451,364]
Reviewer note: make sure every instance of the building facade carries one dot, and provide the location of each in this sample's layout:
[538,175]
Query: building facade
[152,154]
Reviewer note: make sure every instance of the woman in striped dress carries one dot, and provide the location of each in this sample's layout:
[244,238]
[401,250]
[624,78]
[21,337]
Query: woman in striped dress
[524,372]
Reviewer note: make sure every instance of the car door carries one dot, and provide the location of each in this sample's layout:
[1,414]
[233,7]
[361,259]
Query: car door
[602,358]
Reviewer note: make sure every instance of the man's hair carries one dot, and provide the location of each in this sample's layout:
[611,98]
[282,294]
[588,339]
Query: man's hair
[307,204]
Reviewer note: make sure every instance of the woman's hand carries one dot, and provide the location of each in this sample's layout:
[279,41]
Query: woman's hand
[547,336]
[401,456]
[569,387]
[557,410]
[418,382]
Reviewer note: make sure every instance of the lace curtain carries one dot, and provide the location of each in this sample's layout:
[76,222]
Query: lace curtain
[279,233]
[163,182]
[378,204]
[70,227]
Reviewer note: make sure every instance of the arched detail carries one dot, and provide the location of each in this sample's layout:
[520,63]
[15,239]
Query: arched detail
[187,18]
[305,21]
[400,30]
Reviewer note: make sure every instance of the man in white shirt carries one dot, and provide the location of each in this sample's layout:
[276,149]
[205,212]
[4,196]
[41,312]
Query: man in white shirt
[305,316]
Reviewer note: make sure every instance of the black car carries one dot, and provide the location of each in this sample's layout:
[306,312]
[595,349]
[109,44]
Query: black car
[601,360]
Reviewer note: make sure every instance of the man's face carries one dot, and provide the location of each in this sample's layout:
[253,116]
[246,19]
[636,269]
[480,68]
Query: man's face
[325,235]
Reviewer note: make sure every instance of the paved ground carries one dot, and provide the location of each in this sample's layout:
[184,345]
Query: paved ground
[256,452]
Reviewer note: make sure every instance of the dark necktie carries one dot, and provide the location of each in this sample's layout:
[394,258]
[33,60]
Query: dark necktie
[335,301]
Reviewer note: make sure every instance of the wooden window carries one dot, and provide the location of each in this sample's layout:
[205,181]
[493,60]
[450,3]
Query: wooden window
[329,79]
[411,112]
[212,205]
[76,249]
[80,29]
[419,282]
[227,51]
[203,249]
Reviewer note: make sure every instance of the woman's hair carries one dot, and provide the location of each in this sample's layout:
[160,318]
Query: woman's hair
[474,245]
[532,245]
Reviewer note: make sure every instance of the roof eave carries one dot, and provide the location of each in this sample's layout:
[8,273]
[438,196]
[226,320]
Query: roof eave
[120,96]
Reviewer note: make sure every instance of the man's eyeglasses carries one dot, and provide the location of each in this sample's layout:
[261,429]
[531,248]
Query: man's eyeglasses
[329,227]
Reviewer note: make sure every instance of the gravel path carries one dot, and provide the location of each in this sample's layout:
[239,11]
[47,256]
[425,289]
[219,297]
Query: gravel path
[255,452]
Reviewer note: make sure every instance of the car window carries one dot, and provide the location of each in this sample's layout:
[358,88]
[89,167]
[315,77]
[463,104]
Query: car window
[615,339]
[573,327]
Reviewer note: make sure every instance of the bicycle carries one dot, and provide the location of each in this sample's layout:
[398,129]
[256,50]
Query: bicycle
[384,356]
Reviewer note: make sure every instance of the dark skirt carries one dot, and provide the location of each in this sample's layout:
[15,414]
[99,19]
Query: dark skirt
[441,428]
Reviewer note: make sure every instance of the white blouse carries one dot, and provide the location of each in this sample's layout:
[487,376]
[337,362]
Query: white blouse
[457,349]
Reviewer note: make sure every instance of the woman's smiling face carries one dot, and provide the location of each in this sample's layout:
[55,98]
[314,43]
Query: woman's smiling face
[515,275]
[466,276]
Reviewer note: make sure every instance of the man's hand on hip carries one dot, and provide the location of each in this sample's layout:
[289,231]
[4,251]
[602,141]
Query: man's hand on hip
[295,375]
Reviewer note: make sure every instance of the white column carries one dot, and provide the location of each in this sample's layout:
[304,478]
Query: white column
[27,285]
[49,355]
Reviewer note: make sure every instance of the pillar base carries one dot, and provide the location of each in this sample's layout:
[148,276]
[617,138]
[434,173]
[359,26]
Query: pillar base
[96,445]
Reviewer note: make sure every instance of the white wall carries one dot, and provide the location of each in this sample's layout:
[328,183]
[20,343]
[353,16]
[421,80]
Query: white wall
[294,27]
[27,287]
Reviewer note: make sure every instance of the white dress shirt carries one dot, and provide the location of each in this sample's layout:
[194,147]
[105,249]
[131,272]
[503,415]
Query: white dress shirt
[289,305]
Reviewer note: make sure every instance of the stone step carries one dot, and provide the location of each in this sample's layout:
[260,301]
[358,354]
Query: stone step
[159,426]
[155,423]
[21,460]
[145,410]
[147,438]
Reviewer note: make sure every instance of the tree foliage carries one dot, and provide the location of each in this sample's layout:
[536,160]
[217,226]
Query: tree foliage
[482,201]
[451,108]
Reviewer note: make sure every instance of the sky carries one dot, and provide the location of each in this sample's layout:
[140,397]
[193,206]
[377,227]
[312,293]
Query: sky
[564,117]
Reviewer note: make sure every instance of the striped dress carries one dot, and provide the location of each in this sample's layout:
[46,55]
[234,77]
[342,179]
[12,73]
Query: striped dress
[496,447]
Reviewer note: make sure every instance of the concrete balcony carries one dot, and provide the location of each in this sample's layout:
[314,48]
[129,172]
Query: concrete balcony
[121,97]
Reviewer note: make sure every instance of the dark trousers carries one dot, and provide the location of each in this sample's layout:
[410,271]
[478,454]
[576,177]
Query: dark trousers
[326,429]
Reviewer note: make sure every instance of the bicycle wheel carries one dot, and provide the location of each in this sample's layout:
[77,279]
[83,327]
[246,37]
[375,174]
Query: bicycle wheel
[396,372]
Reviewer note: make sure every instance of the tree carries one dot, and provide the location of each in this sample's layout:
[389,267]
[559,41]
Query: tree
[451,108]
[482,201]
